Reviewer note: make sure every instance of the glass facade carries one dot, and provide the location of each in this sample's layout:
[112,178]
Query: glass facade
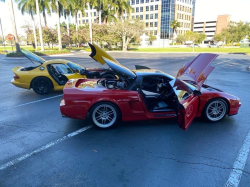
[167,15]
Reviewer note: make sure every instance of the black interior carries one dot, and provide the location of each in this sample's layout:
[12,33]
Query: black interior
[155,103]
[56,75]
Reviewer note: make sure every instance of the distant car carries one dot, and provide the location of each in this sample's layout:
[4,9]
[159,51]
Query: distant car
[52,74]
[213,45]
[194,45]
[144,94]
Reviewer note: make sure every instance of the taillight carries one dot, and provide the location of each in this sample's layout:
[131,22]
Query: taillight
[15,77]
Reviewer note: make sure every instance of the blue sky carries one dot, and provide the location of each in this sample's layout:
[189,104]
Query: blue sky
[206,10]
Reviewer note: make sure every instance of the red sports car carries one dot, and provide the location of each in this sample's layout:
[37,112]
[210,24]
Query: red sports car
[145,93]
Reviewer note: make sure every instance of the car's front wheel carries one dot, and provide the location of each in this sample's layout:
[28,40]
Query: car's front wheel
[42,85]
[104,115]
[215,110]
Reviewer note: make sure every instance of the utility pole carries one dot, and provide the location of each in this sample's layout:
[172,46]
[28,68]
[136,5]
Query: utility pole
[2,35]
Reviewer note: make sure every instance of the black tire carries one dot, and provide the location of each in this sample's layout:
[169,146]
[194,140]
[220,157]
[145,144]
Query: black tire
[104,118]
[108,76]
[42,85]
[215,110]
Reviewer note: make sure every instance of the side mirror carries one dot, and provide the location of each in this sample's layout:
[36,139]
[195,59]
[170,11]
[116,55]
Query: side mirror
[77,71]
[196,93]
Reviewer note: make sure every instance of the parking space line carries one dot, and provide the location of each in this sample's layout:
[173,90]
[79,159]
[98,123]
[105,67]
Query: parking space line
[51,144]
[31,102]
[239,164]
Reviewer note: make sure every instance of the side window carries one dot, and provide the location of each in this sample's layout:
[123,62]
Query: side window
[63,69]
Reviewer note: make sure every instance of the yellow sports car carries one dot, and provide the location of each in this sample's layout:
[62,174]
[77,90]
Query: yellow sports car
[52,74]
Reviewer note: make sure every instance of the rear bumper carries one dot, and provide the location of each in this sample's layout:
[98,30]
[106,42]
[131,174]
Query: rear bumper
[71,111]
[19,84]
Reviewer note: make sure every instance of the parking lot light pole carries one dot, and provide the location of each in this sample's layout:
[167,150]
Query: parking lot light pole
[2,35]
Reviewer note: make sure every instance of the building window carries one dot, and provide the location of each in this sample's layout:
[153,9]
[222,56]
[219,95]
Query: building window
[142,1]
[156,16]
[141,9]
[137,16]
[155,32]
[137,9]
[83,20]
[147,8]
[156,24]
[86,14]
[78,15]
[146,16]
[156,7]
[79,22]
[95,20]
[152,0]
[133,17]
[151,24]
[137,1]
[94,13]
[151,8]
[141,17]
[146,24]
[132,2]
[147,1]
[151,16]
[87,20]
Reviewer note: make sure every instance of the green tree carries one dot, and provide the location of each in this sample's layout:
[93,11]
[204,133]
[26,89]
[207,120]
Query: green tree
[199,37]
[151,38]
[127,30]
[181,39]
[218,37]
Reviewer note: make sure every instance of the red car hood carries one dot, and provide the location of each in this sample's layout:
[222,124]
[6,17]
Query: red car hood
[199,68]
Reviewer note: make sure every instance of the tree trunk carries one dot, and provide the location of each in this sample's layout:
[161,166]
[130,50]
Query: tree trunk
[44,17]
[76,22]
[58,27]
[124,46]
[68,24]
[90,24]
[100,17]
[34,30]
[12,15]
[39,26]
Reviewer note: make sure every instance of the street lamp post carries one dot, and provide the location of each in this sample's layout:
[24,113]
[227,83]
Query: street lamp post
[2,35]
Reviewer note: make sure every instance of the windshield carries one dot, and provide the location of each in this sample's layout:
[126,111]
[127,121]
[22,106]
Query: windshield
[74,66]
[182,89]
[32,57]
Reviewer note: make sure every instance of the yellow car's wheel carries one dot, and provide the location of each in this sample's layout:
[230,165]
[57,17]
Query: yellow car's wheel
[42,85]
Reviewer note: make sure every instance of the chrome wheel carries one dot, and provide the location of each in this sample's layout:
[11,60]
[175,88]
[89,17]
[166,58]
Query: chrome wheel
[216,110]
[104,115]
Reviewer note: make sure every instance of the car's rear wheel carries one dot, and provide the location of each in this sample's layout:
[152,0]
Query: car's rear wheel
[104,115]
[108,76]
[42,85]
[215,110]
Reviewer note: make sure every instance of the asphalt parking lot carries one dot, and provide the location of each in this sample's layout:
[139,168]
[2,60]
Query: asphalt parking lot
[40,148]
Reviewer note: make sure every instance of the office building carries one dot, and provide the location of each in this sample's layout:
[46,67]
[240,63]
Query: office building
[157,15]
[210,28]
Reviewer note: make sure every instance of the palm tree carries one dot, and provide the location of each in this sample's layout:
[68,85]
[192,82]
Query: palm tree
[45,7]
[175,24]
[58,7]
[12,15]
[39,25]
[121,6]
[28,6]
